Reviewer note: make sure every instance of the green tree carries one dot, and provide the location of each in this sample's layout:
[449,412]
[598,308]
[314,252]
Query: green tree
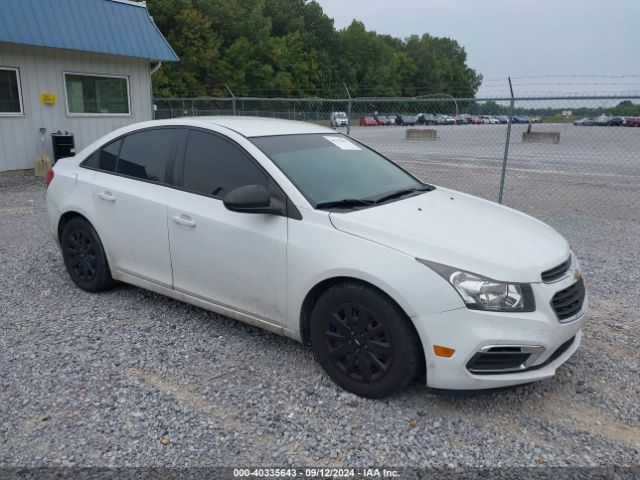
[291,47]
[366,62]
[626,108]
[234,19]
[198,46]
[441,67]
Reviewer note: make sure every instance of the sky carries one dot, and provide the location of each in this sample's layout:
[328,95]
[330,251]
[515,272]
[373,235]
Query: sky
[588,45]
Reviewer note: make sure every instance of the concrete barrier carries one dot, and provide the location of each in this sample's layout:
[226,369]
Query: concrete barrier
[421,134]
[541,137]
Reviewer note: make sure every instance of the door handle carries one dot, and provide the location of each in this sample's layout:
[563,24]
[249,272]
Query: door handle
[184,220]
[107,196]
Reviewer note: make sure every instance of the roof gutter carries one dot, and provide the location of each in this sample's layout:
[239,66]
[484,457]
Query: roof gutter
[135,3]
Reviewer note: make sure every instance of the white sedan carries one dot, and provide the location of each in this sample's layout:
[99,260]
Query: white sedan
[490,120]
[303,231]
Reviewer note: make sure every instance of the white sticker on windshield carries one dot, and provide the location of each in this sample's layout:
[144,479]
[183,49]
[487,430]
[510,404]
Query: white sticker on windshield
[342,143]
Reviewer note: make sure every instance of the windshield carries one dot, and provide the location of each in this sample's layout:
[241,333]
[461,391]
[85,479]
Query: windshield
[341,115]
[330,168]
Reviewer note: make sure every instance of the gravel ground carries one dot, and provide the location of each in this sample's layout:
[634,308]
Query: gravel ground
[130,378]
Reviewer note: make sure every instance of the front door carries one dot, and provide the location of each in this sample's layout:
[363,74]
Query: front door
[235,260]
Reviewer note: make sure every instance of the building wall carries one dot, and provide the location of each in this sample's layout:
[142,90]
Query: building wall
[41,70]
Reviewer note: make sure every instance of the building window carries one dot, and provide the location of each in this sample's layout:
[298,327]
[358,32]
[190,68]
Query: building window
[97,94]
[10,94]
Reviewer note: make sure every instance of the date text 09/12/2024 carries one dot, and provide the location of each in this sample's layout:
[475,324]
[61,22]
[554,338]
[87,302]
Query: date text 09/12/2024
[315,472]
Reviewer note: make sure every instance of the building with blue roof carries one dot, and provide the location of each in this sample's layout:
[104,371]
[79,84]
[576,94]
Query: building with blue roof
[82,66]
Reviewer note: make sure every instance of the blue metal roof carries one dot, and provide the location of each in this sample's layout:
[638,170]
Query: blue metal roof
[102,26]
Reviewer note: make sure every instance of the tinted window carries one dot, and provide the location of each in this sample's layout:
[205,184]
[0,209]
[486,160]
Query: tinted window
[214,166]
[145,154]
[105,159]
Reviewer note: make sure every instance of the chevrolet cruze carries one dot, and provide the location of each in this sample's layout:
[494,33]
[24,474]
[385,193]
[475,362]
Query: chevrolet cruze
[305,232]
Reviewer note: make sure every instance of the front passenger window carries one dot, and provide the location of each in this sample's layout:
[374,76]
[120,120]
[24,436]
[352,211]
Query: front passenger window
[214,166]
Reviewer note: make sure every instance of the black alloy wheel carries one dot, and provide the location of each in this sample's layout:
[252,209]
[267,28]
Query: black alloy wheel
[84,256]
[364,341]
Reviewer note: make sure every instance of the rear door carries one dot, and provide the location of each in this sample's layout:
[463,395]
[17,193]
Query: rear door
[235,260]
[131,204]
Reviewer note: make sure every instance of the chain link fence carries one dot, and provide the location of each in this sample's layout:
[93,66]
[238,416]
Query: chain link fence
[561,159]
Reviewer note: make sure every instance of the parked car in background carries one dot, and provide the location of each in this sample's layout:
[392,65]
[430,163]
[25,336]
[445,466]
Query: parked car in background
[406,119]
[475,120]
[536,119]
[632,122]
[368,122]
[382,119]
[426,119]
[393,119]
[615,121]
[339,119]
[520,119]
[488,119]
[444,119]
[585,122]
[302,231]
[503,118]
[602,120]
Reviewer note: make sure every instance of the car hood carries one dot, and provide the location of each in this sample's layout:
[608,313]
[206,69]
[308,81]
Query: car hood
[462,231]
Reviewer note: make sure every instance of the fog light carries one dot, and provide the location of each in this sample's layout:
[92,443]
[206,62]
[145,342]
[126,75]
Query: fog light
[445,352]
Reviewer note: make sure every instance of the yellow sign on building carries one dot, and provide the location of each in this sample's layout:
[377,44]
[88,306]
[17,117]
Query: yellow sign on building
[48,98]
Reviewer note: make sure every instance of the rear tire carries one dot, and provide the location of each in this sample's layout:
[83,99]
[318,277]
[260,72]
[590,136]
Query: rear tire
[364,341]
[84,256]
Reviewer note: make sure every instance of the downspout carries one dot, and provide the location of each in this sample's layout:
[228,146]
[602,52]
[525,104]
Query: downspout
[154,69]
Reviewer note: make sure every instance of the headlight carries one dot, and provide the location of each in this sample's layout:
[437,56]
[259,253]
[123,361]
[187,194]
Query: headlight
[481,293]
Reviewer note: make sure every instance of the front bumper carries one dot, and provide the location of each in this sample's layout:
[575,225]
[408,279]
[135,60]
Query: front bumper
[470,331]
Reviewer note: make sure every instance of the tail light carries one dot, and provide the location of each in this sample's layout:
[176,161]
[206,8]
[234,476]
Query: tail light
[48,177]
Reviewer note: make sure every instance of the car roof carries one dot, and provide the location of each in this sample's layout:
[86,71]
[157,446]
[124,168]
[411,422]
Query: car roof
[251,126]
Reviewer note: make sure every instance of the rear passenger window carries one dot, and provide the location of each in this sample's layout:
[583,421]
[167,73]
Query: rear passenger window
[145,154]
[214,166]
[105,159]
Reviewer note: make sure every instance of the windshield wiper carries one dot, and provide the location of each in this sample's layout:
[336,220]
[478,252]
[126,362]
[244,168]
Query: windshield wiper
[346,203]
[402,192]
[359,202]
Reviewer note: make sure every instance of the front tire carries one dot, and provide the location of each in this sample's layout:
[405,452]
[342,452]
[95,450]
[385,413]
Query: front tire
[364,341]
[84,256]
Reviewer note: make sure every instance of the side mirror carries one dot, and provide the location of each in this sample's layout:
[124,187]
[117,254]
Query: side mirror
[253,199]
